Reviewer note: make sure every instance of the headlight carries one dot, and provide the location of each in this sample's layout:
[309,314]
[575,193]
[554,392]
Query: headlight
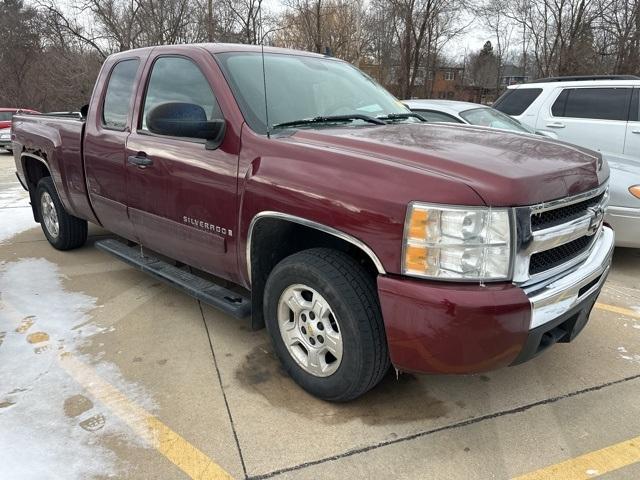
[458,243]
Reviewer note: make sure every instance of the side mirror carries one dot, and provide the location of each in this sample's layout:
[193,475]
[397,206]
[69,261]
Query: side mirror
[177,119]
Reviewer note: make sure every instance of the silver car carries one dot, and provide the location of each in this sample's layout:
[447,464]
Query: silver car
[452,111]
[623,212]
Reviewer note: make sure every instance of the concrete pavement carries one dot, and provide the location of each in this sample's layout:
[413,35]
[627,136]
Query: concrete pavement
[106,373]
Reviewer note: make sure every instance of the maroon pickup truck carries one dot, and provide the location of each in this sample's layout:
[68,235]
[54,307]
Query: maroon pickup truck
[290,187]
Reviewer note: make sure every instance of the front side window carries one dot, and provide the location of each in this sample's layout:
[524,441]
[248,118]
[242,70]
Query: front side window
[302,87]
[179,80]
[6,116]
[117,99]
[593,103]
[516,100]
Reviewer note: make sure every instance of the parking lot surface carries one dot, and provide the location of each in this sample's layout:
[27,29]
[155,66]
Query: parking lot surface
[107,373]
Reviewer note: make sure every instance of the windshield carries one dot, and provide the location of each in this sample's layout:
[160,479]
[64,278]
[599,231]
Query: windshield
[488,117]
[301,87]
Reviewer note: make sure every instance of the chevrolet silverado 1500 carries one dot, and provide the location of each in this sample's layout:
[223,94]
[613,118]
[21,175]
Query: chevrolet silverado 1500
[360,235]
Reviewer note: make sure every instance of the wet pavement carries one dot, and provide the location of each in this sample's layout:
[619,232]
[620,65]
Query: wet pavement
[106,373]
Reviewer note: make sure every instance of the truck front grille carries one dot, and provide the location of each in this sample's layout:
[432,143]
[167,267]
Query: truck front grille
[557,256]
[554,236]
[557,216]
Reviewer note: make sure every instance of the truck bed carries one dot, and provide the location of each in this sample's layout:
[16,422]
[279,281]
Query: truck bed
[57,141]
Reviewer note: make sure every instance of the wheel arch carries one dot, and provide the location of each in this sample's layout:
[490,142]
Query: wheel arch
[35,168]
[272,236]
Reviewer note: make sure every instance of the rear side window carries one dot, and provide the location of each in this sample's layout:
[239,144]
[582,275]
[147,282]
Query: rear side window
[178,79]
[516,100]
[118,97]
[594,103]
[6,116]
[431,116]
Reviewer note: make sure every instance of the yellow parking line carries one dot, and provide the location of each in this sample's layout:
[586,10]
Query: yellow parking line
[175,448]
[622,311]
[591,464]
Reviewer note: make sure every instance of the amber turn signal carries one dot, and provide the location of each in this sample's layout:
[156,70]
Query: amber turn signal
[635,191]
[418,224]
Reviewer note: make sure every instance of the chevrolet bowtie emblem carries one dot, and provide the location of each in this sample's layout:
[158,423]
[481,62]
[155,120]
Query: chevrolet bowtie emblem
[597,217]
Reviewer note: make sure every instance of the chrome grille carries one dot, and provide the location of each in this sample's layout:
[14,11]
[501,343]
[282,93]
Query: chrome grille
[550,218]
[557,256]
[555,236]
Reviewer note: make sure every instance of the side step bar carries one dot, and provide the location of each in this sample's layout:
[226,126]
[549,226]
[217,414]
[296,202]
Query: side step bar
[208,292]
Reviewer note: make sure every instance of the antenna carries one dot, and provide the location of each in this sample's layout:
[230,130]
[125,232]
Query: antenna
[264,77]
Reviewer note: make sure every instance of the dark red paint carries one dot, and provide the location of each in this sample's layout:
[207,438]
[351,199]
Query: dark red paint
[436,327]
[356,180]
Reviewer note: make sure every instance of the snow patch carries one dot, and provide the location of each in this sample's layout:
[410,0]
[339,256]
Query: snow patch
[14,196]
[14,221]
[625,355]
[51,428]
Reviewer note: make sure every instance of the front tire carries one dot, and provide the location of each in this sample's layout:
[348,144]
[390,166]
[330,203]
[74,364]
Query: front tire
[63,231]
[323,316]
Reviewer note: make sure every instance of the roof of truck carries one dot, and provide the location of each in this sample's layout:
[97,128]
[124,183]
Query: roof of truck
[224,48]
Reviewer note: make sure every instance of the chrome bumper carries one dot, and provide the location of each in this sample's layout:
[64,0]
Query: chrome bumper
[551,299]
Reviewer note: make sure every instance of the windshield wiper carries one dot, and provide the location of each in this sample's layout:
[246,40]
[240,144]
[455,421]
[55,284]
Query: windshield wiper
[401,116]
[330,119]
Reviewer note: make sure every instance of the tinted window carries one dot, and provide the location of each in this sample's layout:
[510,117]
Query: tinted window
[432,116]
[516,100]
[6,116]
[557,110]
[596,103]
[177,79]
[634,111]
[118,96]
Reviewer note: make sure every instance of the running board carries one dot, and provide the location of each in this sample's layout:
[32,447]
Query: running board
[208,292]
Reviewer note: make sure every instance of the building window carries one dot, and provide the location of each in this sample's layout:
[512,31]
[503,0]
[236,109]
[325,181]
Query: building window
[449,75]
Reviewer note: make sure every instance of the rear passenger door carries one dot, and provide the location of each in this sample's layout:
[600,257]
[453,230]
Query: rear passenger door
[595,118]
[632,139]
[106,132]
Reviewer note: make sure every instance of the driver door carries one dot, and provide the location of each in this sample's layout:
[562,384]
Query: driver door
[181,195]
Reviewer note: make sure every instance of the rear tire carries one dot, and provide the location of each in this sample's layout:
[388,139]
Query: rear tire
[323,315]
[63,231]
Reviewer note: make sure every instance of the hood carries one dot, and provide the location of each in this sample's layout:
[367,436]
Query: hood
[504,168]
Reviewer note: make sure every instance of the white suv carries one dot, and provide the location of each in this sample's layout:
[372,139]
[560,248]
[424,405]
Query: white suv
[601,113]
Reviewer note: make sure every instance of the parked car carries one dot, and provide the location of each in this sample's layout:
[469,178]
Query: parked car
[364,236]
[601,113]
[623,211]
[452,111]
[6,114]
[5,139]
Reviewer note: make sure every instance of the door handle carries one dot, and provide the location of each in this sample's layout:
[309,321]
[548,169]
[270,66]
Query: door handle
[635,131]
[140,159]
[556,125]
